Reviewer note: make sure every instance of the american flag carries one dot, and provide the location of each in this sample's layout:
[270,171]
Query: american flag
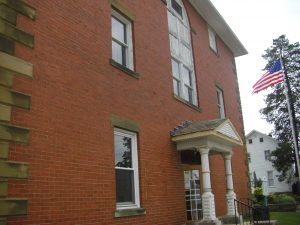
[273,76]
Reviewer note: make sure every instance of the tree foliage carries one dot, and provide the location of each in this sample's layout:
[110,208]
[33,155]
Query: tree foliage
[276,111]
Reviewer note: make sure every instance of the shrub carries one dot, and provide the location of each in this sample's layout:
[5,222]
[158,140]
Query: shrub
[258,193]
[271,198]
[284,199]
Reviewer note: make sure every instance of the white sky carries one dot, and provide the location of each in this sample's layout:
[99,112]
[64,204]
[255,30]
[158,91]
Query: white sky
[256,23]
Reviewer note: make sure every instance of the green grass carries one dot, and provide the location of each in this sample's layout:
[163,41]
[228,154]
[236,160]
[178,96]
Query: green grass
[286,218]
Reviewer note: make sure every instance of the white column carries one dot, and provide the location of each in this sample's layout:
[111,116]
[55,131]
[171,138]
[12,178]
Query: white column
[208,199]
[230,196]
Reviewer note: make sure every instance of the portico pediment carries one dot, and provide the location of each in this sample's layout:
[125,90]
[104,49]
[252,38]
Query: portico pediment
[219,135]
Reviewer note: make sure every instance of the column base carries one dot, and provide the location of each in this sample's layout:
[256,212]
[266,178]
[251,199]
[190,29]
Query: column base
[230,197]
[208,207]
[229,219]
[215,222]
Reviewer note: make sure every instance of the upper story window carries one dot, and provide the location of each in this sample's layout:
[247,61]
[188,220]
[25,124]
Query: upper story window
[220,103]
[184,82]
[250,141]
[267,155]
[122,50]
[261,139]
[126,168]
[212,40]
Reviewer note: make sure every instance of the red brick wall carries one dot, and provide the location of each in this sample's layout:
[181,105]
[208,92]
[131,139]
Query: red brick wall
[74,93]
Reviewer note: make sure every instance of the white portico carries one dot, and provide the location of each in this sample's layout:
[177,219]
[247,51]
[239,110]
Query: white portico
[210,137]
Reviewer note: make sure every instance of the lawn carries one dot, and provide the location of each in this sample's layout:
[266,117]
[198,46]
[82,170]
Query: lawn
[286,218]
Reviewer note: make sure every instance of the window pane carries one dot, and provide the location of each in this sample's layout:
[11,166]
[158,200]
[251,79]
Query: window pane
[123,148]
[119,53]
[177,7]
[176,87]
[124,186]
[186,76]
[118,30]
[188,94]
[175,69]
[218,97]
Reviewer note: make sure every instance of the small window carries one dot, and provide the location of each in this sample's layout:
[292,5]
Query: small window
[126,168]
[250,141]
[212,39]
[122,50]
[177,8]
[270,178]
[261,139]
[220,103]
[267,155]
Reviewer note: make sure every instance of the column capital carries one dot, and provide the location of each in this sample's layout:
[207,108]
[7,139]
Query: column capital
[227,155]
[203,149]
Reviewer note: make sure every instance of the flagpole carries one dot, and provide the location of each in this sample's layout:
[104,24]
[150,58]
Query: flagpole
[287,95]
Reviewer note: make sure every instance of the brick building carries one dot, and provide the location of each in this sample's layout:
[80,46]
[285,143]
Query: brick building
[118,112]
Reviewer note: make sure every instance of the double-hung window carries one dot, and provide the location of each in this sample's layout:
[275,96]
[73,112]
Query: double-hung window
[267,155]
[126,168]
[184,82]
[122,50]
[220,103]
[270,178]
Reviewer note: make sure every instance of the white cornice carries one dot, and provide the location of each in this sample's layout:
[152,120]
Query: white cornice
[209,13]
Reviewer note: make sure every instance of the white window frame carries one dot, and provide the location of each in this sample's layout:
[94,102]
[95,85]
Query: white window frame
[128,45]
[179,59]
[220,103]
[134,155]
[212,40]
[270,179]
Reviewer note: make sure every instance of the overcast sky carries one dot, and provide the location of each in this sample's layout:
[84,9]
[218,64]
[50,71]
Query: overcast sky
[256,23]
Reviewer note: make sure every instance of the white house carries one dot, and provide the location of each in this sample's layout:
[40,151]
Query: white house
[259,148]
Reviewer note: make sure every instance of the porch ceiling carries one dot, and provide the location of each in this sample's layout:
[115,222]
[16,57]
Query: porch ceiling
[219,135]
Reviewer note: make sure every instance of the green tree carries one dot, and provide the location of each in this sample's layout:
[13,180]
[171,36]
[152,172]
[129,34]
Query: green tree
[276,111]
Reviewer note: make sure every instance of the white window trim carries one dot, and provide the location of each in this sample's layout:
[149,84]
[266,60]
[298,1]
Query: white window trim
[134,154]
[212,40]
[221,107]
[185,22]
[128,45]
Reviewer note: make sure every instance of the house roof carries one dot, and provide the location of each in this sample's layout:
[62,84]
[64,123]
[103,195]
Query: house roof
[214,19]
[259,133]
[221,129]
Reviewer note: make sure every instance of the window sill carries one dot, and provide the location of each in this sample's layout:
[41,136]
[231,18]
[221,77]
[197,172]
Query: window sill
[130,212]
[124,68]
[187,103]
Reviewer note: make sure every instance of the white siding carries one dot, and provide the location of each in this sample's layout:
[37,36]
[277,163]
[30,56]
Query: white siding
[258,162]
[227,130]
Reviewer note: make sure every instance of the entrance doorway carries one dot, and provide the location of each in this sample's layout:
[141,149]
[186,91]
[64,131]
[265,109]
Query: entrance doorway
[192,184]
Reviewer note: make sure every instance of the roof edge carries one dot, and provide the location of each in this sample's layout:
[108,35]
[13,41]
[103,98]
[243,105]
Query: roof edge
[214,19]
